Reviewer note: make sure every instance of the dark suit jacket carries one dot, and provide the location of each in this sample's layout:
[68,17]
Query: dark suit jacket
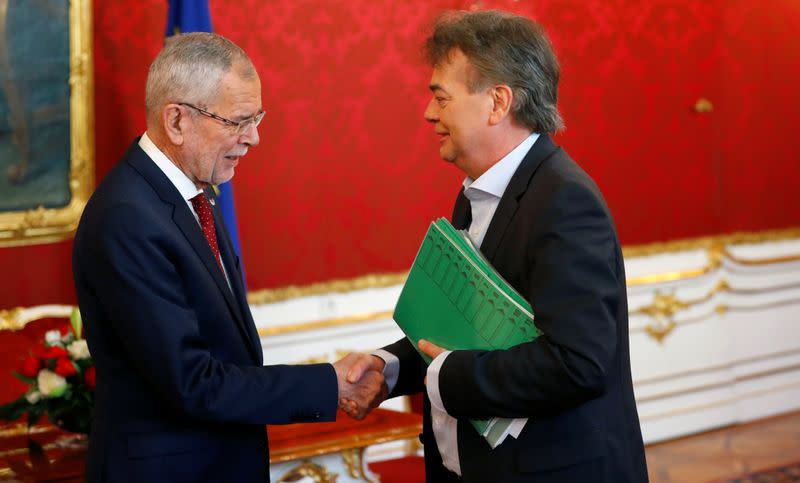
[553,238]
[182,394]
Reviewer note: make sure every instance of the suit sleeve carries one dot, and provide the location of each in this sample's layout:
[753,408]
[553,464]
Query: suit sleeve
[412,368]
[135,276]
[575,289]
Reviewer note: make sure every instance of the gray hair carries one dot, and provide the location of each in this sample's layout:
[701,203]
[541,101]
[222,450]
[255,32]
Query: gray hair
[504,48]
[190,68]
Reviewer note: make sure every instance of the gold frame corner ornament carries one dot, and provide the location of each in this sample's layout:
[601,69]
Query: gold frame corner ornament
[46,225]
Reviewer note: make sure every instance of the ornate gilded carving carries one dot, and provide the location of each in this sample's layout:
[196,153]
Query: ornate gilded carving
[354,461]
[662,310]
[311,470]
[9,319]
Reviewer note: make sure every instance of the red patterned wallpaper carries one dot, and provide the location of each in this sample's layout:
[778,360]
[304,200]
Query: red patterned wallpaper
[347,176]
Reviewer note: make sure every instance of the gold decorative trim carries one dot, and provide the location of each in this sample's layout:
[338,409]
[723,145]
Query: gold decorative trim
[268,296]
[43,225]
[707,242]
[20,429]
[719,367]
[9,319]
[723,402]
[316,472]
[715,244]
[325,323]
[354,462]
[350,442]
[659,331]
[16,319]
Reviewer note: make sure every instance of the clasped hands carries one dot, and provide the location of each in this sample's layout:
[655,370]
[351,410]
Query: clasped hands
[361,383]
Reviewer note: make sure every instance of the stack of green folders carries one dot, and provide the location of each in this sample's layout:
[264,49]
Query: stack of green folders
[454,298]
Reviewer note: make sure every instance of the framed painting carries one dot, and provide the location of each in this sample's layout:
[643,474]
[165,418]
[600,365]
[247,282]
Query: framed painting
[46,118]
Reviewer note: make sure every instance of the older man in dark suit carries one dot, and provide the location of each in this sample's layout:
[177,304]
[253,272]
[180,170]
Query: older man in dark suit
[182,393]
[543,224]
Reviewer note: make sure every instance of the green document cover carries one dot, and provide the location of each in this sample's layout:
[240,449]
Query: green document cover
[454,298]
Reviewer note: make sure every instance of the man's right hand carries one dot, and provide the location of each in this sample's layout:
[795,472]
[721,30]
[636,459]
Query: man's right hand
[361,384]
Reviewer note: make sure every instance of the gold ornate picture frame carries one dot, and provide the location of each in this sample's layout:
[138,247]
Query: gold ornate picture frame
[25,217]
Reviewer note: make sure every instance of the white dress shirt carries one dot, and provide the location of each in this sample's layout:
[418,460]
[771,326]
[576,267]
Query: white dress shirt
[178,178]
[484,196]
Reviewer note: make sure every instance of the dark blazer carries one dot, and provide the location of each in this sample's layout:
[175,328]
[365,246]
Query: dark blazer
[553,238]
[182,395]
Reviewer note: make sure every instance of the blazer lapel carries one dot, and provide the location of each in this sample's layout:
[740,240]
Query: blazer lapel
[541,150]
[237,285]
[187,224]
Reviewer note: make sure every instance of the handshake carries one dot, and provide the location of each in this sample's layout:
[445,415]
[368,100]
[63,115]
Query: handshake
[361,384]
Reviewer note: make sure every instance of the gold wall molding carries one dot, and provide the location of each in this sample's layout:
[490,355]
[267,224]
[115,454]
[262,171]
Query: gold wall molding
[44,225]
[311,470]
[9,319]
[722,402]
[325,323]
[381,280]
[354,461]
[715,245]
[18,317]
[663,327]
[707,242]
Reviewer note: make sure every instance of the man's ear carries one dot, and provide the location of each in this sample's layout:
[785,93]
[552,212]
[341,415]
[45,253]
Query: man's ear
[174,120]
[502,97]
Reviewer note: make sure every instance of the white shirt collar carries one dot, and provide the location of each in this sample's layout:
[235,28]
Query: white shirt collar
[182,183]
[495,180]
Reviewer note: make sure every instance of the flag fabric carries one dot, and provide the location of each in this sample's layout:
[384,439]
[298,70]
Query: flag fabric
[195,16]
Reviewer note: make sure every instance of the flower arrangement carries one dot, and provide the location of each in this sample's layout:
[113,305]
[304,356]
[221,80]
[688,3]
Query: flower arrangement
[60,374]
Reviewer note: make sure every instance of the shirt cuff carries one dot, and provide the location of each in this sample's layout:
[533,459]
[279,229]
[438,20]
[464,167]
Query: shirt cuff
[391,371]
[433,380]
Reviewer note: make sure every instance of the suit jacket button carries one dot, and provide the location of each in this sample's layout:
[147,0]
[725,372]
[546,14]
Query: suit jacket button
[317,415]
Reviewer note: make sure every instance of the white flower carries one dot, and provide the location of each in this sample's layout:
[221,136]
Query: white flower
[53,337]
[33,396]
[50,383]
[79,349]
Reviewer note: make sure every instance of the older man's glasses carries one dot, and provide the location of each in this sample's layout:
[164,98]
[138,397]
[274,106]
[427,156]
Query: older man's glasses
[238,127]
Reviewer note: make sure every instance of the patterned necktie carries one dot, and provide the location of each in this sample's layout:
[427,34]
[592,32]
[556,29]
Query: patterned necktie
[203,209]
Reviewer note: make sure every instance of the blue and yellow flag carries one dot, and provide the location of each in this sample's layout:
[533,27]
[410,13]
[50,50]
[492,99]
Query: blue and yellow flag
[194,16]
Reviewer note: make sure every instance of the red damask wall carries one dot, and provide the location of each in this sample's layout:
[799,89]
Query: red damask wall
[347,176]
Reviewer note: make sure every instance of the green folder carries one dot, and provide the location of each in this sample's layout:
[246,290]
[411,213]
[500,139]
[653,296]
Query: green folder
[454,298]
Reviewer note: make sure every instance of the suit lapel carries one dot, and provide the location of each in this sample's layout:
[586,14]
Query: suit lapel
[541,150]
[462,212]
[237,285]
[187,224]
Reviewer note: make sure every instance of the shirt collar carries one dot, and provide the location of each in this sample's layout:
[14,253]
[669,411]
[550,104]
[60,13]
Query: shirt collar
[495,180]
[178,178]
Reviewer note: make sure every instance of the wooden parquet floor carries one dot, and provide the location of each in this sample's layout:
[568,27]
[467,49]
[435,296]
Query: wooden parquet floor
[726,453]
